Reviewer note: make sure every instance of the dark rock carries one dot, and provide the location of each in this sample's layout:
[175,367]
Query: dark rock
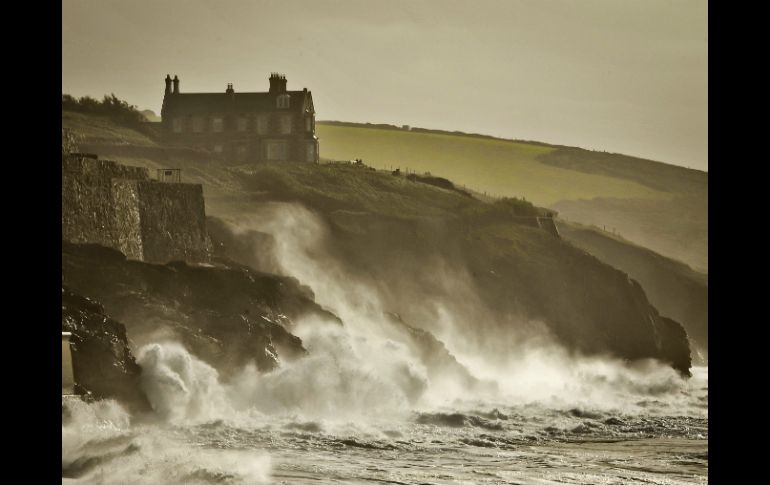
[102,361]
[226,314]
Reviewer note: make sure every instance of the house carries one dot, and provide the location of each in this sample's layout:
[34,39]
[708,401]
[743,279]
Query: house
[243,127]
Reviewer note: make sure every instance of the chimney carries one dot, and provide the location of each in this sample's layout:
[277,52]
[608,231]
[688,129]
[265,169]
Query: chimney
[229,89]
[176,84]
[168,84]
[277,83]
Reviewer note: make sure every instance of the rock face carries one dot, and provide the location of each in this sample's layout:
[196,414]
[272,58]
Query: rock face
[513,278]
[119,206]
[588,305]
[673,287]
[103,363]
[225,314]
[499,281]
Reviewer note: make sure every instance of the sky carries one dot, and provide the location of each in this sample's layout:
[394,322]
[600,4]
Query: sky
[615,75]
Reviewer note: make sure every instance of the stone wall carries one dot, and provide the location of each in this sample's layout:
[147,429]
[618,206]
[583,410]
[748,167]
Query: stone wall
[88,209]
[128,228]
[173,222]
[120,207]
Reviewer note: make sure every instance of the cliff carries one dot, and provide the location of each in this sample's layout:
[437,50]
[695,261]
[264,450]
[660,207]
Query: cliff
[225,314]
[673,287]
[418,244]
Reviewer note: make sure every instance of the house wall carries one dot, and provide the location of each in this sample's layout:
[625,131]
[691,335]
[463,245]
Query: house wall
[254,142]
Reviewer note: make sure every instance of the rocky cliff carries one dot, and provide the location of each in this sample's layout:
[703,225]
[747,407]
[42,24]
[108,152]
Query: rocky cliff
[673,287]
[418,245]
[103,364]
[226,314]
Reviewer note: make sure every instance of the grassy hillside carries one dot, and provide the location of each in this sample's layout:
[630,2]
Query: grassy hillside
[102,130]
[498,167]
[660,206]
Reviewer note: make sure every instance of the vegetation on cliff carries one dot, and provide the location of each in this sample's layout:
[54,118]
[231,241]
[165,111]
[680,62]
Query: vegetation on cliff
[663,207]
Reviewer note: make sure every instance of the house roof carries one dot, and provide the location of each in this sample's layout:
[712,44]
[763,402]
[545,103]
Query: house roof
[205,103]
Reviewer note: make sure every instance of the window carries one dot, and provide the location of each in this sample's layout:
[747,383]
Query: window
[218,148]
[283,101]
[308,124]
[217,124]
[276,150]
[197,124]
[262,124]
[285,124]
[310,152]
[241,152]
[243,123]
[176,125]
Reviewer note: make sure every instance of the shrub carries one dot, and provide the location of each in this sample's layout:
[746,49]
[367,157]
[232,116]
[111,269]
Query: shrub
[111,106]
[518,207]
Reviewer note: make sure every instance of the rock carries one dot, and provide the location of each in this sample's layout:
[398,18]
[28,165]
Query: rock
[225,314]
[103,364]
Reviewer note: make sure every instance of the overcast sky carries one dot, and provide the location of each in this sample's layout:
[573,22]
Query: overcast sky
[616,75]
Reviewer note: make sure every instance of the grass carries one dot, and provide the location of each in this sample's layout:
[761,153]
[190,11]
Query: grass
[101,129]
[663,207]
[498,167]
[337,186]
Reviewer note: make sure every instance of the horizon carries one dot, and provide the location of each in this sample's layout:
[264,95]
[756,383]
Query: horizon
[635,76]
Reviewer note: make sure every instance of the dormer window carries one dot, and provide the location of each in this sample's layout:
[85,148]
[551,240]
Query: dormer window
[282,101]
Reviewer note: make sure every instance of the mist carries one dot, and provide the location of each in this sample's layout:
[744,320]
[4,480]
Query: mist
[366,357]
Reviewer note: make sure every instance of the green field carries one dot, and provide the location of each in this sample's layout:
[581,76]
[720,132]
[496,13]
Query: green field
[497,167]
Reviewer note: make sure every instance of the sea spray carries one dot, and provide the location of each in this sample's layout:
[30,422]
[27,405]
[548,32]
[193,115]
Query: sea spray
[100,445]
[345,376]
[180,387]
[520,355]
